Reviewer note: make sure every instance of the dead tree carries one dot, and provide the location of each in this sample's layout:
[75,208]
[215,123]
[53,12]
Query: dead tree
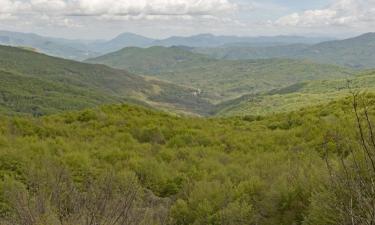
[353,180]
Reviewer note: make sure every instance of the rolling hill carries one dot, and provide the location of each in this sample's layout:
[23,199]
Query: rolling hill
[219,80]
[357,52]
[153,60]
[251,52]
[167,168]
[298,96]
[39,84]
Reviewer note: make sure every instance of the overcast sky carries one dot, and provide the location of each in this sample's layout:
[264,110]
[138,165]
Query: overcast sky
[94,19]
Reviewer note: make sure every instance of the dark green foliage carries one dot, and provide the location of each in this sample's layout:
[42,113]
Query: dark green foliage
[219,80]
[154,60]
[32,83]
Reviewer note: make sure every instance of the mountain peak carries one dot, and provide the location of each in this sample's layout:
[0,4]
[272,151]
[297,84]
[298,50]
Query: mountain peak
[367,35]
[205,35]
[130,35]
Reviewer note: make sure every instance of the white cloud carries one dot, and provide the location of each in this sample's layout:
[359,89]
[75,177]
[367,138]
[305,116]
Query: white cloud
[10,6]
[81,15]
[340,13]
[154,7]
[47,6]
[126,8]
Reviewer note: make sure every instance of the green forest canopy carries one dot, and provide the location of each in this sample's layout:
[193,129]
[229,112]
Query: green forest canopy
[245,170]
[219,80]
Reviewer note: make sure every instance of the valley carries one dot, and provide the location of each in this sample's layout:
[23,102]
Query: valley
[199,130]
[219,80]
[61,85]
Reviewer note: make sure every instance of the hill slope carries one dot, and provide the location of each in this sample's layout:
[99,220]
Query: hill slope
[249,52]
[153,60]
[218,79]
[357,52]
[176,169]
[298,96]
[74,85]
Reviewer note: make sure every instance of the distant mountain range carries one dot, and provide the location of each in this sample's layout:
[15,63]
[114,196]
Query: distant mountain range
[83,49]
[119,42]
[357,52]
[209,40]
[71,49]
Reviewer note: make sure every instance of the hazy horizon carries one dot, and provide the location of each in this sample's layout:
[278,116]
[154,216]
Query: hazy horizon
[87,19]
[336,37]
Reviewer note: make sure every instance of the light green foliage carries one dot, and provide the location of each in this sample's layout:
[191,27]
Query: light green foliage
[190,170]
[298,96]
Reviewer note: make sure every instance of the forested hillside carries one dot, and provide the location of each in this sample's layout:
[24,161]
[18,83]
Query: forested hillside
[38,84]
[125,163]
[297,96]
[253,52]
[357,52]
[219,79]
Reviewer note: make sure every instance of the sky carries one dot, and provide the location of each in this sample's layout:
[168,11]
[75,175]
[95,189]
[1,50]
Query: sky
[104,19]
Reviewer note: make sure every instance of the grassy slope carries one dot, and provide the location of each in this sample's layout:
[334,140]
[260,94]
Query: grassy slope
[298,96]
[219,79]
[72,85]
